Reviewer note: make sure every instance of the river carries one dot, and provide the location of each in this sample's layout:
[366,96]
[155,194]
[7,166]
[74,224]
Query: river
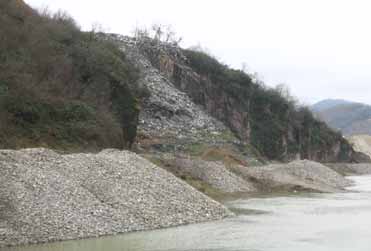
[301,222]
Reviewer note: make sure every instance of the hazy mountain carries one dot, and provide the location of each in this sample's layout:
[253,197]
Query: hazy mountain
[329,103]
[349,117]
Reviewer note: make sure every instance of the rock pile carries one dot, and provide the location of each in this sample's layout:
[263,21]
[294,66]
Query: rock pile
[45,196]
[167,111]
[301,175]
[216,174]
[351,169]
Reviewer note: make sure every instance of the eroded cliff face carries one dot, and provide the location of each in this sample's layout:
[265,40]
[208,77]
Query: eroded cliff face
[170,121]
[215,100]
[186,87]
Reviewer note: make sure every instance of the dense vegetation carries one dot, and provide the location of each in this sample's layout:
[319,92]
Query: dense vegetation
[60,87]
[280,129]
[67,89]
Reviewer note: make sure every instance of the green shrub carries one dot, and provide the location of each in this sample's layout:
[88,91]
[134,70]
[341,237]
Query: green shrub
[58,85]
[75,111]
[279,128]
[3,89]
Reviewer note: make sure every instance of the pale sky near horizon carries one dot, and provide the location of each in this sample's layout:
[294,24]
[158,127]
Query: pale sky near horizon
[319,48]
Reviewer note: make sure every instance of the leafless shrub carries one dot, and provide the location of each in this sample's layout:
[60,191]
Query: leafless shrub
[158,32]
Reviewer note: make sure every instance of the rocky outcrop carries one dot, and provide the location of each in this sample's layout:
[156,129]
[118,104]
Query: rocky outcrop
[170,121]
[171,63]
[296,176]
[168,111]
[45,196]
[257,116]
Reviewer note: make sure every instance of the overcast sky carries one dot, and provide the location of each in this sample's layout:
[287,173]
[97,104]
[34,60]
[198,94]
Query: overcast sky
[319,48]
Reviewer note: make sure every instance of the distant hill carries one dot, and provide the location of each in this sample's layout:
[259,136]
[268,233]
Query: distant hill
[329,103]
[350,118]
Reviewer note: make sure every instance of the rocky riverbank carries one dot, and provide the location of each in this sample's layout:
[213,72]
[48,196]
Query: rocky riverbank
[301,175]
[347,169]
[45,196]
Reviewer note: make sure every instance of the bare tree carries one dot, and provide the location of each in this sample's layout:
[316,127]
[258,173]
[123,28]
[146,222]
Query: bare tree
[98,28]
[244,67]
[159,33]
[140,33]
[284,90]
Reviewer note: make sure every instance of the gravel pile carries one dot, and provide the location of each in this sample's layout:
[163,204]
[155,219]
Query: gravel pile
[351,169]
[167,110]
[213,173]
[301,175]
[361,143]
[47,197]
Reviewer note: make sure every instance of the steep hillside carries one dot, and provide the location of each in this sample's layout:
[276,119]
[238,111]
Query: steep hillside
[170,122]
[66,89]
[60,87]
[257,116]
[350,118]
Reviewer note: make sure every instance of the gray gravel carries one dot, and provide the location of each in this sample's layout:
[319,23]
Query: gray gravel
[297,175]
[351,169]
[167,111]
[46,197]
[216,174]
